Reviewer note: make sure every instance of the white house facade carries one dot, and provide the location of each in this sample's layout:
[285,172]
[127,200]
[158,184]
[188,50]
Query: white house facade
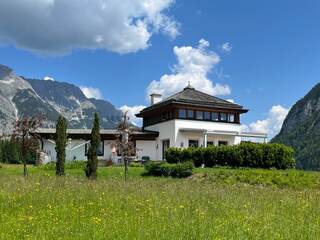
[188,118]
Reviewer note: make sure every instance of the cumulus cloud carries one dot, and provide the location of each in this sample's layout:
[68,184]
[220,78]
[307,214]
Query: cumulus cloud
[193,65]
[272,124]
[131,113]
[56,27]
[48,78]
[91,92]
[226,47]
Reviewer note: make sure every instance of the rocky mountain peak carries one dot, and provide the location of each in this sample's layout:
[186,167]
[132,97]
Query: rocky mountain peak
[20,96]
[4,71]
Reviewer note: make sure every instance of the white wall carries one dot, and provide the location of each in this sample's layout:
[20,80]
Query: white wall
[183,137]
[78,153]
[146,148]
[172,130]
[166,132]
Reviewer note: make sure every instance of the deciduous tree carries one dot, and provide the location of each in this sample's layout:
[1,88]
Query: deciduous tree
[25,133]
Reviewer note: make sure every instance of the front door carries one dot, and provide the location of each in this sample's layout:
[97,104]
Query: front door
[165,146]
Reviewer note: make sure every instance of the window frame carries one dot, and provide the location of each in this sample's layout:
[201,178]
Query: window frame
[194,140]
[86,148]
[201,113]
[180,111]
[190,111]
[226,117]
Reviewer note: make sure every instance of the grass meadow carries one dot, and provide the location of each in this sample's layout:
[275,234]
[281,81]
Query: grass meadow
[213,204]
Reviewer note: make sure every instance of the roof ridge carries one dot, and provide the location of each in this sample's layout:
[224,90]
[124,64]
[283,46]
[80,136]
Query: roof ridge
[221,99]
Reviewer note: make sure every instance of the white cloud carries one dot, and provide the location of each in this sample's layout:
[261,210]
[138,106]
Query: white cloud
[56,27]
[48,78]
[91,92]
[230,100]
[272,124]
[131,113]
[193,65]
[226,47]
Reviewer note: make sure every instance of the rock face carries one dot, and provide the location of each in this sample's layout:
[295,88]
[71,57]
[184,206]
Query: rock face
[301,130]
[20,96]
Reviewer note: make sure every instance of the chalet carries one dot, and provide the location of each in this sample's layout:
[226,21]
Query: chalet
[189,118]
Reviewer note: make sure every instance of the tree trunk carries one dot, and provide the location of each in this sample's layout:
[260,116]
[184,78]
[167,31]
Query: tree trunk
[126,168]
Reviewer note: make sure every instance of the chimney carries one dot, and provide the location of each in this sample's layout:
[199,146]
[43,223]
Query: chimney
[155,98]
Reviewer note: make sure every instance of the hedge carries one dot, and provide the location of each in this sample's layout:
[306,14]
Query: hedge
[179,170]
[254,155]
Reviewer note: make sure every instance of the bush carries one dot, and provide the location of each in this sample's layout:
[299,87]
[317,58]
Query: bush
[10,152]
[179,170]
[135,164]
[254,155]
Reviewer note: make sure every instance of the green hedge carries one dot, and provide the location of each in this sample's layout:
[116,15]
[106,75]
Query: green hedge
[267,155]
[179,170]
[11,152]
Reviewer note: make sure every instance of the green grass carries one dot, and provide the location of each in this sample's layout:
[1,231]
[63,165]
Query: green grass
[214,204]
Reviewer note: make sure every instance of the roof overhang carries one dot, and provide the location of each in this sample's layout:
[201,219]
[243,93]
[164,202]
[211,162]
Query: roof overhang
[226,133]
[105,134]
[185,104]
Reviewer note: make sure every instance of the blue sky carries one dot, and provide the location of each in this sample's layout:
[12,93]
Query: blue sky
[271,59]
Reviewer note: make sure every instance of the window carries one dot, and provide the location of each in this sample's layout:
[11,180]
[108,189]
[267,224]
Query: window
[199,115]
[190,114]
[223,117]
[207,116]
[231,118]
[220,143]
[165,146]
[193,143]
[182,113]
[210,143]
[215,116]
[164,116]
[100,150]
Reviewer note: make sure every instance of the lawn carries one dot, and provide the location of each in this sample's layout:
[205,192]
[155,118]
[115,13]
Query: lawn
[214,204]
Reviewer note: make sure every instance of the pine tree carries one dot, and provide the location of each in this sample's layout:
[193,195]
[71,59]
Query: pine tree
[61,144]
[95,139]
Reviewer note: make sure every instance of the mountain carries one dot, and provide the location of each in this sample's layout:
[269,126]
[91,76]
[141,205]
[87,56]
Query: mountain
[20,96]
[301,130]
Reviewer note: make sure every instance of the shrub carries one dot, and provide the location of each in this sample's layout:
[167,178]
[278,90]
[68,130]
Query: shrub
[252,155]
[174,155]
[11,152]
[179,170]
[153,168]
[135,164]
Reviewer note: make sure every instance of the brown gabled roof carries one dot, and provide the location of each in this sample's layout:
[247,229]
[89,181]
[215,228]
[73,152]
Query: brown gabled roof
[191,96]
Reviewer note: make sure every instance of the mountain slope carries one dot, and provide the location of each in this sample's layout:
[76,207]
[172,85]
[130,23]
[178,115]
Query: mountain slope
[21,96]
[17,98]
[301,130]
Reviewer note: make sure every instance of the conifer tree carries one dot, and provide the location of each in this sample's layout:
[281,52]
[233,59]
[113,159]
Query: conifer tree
[95,139]
[61,144]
